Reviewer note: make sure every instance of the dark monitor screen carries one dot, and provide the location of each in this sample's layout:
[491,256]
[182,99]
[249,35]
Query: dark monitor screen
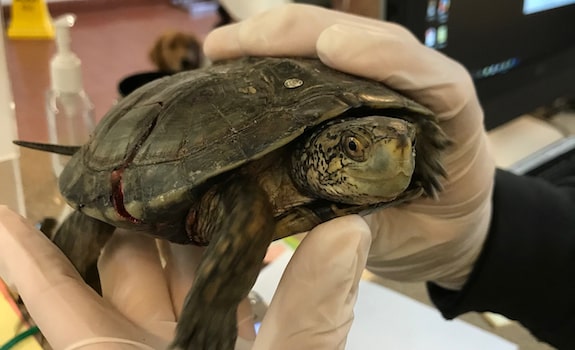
[521,53]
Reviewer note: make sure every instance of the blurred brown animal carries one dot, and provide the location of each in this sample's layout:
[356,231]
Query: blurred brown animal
[175,52]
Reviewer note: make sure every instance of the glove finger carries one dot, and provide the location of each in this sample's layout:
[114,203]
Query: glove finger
[313,305]
[133,279]
[29,260]
[181,264]
[405,65]
[53,291]
[289,30]
[24,254]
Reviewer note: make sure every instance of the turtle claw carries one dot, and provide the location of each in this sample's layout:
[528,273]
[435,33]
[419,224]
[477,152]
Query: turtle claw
[204,328]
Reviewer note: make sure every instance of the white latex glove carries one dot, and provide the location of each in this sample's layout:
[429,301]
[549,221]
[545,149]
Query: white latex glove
[427,240]
[141,300]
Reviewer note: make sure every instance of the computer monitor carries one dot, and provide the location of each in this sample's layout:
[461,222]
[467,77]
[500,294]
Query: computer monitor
[521,53]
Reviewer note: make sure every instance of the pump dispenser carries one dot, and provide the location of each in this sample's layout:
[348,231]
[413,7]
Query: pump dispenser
[70,112]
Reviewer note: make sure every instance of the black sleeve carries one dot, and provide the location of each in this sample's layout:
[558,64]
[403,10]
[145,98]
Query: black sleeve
[526,270]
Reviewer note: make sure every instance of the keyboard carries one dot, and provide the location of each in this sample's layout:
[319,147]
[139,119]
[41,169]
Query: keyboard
[554,162]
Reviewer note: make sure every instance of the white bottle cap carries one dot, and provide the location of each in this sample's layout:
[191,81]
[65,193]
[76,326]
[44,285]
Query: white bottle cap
[65,66]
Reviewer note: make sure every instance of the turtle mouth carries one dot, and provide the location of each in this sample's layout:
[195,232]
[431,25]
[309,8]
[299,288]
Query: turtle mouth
[380,188]
[376,169]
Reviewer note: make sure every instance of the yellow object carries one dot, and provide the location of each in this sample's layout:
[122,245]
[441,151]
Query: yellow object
[11,322]
[30,19]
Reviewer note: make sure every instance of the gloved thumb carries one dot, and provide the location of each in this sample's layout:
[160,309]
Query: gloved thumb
[313,305]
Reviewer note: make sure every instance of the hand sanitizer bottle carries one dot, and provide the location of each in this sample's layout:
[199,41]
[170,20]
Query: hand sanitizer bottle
[70,112]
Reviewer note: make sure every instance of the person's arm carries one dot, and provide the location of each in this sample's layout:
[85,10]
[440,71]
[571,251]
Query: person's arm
[532,234]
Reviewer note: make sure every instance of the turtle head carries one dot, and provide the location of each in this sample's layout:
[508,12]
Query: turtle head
[356,161]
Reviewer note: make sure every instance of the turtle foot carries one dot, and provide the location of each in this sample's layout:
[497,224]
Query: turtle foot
[206,329]
[237,218]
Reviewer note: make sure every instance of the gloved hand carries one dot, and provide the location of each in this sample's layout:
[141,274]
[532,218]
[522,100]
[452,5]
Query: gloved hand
[427,240]
[142,300]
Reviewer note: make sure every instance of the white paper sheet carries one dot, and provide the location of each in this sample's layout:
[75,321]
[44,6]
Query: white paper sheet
[385,319]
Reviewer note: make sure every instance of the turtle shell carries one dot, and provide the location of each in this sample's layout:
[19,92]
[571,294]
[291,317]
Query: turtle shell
[156,146]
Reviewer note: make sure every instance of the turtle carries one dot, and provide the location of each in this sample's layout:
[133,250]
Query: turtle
[236,155]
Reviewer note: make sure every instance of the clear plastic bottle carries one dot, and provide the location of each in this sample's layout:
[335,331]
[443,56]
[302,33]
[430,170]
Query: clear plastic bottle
[70,121]
[69,110]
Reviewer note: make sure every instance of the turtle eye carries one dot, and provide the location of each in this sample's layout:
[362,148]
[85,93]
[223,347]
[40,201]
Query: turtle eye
[354,148]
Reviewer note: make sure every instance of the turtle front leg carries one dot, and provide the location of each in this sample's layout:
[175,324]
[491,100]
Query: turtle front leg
[237,218]
[81,238]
